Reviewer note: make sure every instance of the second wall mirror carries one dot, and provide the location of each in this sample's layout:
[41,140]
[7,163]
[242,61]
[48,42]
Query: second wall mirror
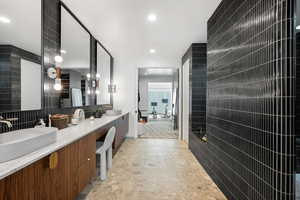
[75,68]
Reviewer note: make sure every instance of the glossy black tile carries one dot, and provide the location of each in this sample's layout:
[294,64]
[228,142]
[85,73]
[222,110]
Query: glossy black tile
[197,57]
[250,151]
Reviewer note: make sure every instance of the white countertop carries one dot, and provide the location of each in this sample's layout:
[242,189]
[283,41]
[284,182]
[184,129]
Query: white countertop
[64,137]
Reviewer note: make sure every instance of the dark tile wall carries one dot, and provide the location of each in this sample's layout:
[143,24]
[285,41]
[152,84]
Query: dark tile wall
[198,68]
[297,128]
[250,152]
[51,47]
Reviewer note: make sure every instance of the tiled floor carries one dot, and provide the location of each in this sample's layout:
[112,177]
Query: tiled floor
[158,129]
[154,169]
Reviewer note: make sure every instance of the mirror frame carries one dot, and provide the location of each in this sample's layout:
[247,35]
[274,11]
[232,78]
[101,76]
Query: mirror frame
[64,6]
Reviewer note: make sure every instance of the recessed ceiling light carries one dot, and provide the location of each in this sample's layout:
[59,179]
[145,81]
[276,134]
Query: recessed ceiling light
[152,51]
[159,71]
[4,20]
[152,17]
[63,51]
[298,27]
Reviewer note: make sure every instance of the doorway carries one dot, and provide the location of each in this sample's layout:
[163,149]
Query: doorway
[158,103]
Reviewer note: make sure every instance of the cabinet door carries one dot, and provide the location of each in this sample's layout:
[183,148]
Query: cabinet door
[2,189]
[121,131]
[87,148]
[87,160]
[86,172]
[25,184]
[73,164]
[83,176]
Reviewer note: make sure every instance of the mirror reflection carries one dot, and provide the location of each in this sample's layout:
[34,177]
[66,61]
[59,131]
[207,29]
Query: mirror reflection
[75,68]
[103,75]
[20,55]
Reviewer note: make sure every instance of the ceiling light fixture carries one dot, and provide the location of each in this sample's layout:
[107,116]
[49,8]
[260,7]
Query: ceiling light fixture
[152,51]
[4,20]
[298,27]
[152,17]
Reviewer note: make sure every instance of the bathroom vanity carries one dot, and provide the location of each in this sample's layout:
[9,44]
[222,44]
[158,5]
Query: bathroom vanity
[61,170]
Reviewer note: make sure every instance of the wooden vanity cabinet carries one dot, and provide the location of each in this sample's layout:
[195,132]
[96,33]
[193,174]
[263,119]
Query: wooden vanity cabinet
[76,167]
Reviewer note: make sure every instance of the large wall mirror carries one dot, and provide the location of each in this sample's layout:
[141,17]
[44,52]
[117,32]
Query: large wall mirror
[75,68]
[103,75]
[20,55]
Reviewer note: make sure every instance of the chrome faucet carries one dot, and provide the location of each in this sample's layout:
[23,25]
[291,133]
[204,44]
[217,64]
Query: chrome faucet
[7,121]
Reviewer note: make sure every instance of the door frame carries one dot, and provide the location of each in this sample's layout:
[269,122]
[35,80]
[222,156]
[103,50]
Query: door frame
[181,105]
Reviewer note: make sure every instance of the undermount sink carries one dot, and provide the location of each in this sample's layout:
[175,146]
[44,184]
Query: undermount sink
[19,143]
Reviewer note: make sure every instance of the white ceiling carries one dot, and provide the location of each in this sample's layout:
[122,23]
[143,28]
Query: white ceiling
[122,26]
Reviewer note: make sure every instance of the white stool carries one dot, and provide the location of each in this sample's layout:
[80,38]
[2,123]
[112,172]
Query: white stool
[104,148]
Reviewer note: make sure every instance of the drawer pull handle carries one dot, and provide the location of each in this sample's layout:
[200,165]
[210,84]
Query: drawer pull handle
[89,159]
[53,160]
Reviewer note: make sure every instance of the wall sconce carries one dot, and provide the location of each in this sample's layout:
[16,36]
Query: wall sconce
[89,91]
[96,84]
[88,76]
[55,73]
[112,88]
[98,76]
[57,84]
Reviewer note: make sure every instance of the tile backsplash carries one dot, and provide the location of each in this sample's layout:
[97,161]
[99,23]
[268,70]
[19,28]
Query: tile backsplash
[28,119]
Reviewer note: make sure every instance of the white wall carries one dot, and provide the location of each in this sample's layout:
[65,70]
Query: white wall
[126,79]
[31,88]
[185,101]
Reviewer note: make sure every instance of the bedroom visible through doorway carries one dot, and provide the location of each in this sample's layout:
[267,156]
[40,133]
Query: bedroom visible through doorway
[158,98]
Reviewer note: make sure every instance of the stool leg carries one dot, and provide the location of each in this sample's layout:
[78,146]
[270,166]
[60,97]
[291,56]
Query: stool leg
[109,157]
[103,166]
